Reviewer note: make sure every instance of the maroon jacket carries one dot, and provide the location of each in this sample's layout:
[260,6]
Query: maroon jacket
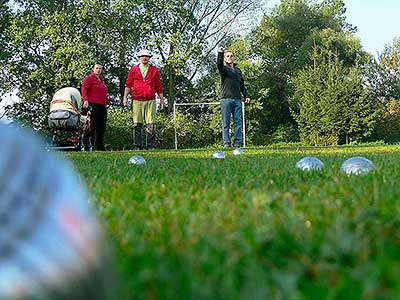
[144,89]
[94,90]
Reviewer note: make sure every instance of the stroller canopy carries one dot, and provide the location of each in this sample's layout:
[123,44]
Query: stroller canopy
[67,98]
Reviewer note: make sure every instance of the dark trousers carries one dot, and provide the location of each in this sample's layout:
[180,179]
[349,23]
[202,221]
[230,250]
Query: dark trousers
[99,122]
[151,135]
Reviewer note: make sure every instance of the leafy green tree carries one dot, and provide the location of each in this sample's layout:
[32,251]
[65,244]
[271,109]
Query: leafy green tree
[284,41]
[56,43]
[330,104]
[387,127]
[383,73]
[383,80]
[4,23]
[185,33]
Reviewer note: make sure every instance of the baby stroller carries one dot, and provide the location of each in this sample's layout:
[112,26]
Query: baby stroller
[71,129]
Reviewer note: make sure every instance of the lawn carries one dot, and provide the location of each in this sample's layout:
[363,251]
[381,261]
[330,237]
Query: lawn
[185,226]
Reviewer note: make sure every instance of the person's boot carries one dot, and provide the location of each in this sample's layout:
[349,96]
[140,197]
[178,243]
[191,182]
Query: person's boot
[151,136]
[137,136]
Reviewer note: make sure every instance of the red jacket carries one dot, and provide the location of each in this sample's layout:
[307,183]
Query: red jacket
[94,90]
[144,89]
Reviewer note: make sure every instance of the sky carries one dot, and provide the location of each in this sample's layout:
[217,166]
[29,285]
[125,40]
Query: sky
[377,21]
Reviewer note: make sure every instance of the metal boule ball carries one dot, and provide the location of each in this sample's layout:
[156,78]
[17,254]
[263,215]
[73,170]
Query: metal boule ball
[137,160]
[310,163]
[218,155]
[357,165]
[238,151]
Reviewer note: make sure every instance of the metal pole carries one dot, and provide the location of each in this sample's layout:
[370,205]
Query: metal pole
[244,126]
[196,103]
[176,135]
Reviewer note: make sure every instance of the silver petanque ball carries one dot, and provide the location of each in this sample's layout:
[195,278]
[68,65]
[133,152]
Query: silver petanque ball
[238,151]
[357,165]
[218,155]
[310,163]
[137,160]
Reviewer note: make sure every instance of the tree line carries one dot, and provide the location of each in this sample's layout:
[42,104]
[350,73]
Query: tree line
[306,71]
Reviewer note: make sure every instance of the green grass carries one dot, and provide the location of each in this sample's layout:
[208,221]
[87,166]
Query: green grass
[186,226]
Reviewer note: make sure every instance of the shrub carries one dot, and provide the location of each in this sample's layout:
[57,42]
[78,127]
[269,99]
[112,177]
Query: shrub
[119,135]
[192,133]
[388,126]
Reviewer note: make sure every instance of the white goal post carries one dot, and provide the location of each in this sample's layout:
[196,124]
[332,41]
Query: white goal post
[202,104]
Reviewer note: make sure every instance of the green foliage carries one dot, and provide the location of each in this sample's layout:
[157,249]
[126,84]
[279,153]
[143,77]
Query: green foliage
[388,123]
[119,131]
[46,45]
[383,74]
[330,105]
[55,44]
[4,23]
[284,35]
[285,133]
[185,33]
[191,133]
[285,40]
[185,226]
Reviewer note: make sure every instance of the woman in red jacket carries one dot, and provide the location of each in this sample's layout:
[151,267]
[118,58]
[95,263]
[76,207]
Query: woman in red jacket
[95,93]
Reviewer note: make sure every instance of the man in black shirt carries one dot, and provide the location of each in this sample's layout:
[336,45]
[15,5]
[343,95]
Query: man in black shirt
[232,87]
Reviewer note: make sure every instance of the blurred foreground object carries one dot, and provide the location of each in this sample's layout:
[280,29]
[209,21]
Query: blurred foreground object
[51,245]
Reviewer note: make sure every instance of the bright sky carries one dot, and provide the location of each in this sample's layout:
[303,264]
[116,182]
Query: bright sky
[377,21]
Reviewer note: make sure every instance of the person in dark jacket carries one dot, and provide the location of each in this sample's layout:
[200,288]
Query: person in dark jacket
[144,81]
[95,95]
[232,88]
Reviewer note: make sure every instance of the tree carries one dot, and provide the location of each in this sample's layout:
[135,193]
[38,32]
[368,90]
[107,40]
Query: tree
[4,23]
[184,33]
[5,16]
[383,81]
[330,104]
[387,128]
[284,41]
[56,43]
[383,73]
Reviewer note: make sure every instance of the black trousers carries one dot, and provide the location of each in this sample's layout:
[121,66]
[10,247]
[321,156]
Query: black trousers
[99,121]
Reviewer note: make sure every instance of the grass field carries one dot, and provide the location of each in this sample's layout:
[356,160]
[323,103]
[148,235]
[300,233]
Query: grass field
[186,226]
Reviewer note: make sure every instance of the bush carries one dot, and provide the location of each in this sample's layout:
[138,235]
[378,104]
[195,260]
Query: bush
[285,133]
[388,126]
[119,134]
[191,133]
